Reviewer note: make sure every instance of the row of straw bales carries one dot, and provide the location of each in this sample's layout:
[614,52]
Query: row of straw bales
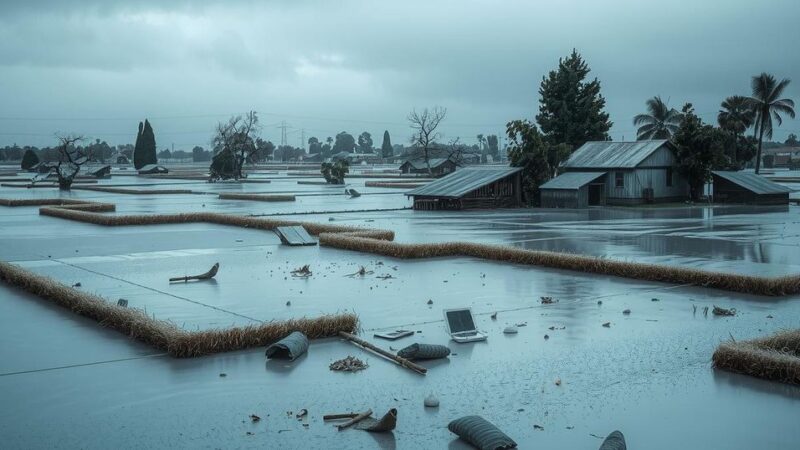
[258,197]
[165,335]
[381,242]
[117,190]
[775,357]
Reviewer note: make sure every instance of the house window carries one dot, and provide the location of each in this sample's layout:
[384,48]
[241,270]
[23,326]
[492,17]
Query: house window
[619,179]
[669,176]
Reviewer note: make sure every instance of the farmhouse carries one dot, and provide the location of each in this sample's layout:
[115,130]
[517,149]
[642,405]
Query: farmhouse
[439,166]
[748,188]
[617,173]
[471,188]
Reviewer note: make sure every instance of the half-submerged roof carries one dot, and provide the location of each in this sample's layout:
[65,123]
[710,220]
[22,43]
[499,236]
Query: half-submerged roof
[753,182]
[572,180]
[463,181]
[613,155]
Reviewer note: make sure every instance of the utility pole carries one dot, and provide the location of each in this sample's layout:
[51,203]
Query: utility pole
[303,139]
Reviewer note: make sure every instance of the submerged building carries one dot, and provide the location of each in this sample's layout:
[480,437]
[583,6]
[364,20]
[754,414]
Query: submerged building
[439,166]
[617,173]
[471,188]
[747,188]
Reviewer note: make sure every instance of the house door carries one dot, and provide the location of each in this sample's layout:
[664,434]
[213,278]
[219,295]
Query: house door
[596,194]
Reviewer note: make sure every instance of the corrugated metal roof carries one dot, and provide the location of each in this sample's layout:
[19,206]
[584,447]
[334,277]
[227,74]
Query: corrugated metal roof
[419,164]
[463,181]
[572,180]
[612,155]
[752,182]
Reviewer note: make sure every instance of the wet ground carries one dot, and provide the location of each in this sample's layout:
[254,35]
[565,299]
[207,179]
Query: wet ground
[66,382]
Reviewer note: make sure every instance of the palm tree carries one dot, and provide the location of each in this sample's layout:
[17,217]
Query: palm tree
[767,105]
[736,116]
[660,122]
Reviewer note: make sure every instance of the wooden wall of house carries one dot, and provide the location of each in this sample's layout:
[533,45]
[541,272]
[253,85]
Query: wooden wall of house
[565,198]
[636,180]
[663,157]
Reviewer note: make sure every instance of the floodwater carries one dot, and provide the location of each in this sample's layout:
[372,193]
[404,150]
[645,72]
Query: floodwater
[66,382]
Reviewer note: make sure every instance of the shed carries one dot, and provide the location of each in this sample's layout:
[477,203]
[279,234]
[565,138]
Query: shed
[439,166]
[748,188]
[627,173]
[574,190]
[152,169]
[470,188]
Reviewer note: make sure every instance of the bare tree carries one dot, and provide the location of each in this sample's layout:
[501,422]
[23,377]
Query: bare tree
[236,141]
[424,125]
[455,151]
[70,159]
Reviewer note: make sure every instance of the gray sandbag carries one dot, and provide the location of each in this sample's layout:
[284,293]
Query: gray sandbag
[290,347]
[614,441]
[386,423]
[424,351]
[481,433]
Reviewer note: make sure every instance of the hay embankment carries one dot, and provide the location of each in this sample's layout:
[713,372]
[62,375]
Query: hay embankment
[258,197]
[165,335]
[775,358]
[117,190]
[381,242]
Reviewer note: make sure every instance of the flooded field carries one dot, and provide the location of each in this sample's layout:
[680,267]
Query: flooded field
[647,374]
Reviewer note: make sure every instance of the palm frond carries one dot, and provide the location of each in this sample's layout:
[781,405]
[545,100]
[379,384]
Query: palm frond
[640,119]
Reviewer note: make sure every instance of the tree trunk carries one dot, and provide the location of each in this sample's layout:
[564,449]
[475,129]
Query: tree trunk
[735,150]
[64,184]
[760,138]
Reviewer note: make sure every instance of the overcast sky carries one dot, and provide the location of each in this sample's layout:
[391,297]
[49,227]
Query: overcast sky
[98,67]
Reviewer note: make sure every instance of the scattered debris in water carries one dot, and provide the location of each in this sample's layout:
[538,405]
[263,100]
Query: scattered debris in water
[78,284]
[122,302]
[626,312]
[546,337]
[717,311]
[360,272]
[548,300]
[349,364]
[511,330]
[558,381]
[431,401]
[203,276]
[302,272]
[223,375]
[654,299]
[538,427]
[254,418]
[430,302]
[607,324]
[302,413]
[494,316]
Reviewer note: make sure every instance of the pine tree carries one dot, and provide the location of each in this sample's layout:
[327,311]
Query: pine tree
[29,159]
[386,147]
[144,152]
[571,109]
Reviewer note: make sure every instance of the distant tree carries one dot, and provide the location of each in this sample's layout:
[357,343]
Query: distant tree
[264,149]
[492,147]
[165,154]
[29,159]
[425,124]
[365,142]
[386,146]
[538,158]
[180,155]
[314,146]
[791,140]
[660,121]
[768,105]
[70,160]
[735,117]
[700,149]
[200,155]
[335,172]
[571,108]
[144,151]
[344,143]
[235,138]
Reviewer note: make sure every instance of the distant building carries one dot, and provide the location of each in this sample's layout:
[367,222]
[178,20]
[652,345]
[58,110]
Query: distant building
[747,188]
[617,173]
[439,166]
[471,188]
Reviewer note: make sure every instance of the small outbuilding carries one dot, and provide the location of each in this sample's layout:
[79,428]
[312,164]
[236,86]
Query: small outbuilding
[151,169]
[617,173]
[439,166]
[748,188]
[471,188]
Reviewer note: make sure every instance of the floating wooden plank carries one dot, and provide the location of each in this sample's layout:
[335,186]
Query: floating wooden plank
[295,235]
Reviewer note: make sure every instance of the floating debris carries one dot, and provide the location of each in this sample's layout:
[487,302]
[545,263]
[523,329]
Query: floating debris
[203,276]
[362,271]
[494,316]
[538,427]
[302,272]
[303,412]
[553,327]
[349,364]
[254,418]
[654,299]
[511,330]
[122,302]
[607,324]
[548,300]
[223,375]
[430,302]
[717,311]
[78,284]
[431,401]
[558,381]
[385,277]
[626,312]
[546,337]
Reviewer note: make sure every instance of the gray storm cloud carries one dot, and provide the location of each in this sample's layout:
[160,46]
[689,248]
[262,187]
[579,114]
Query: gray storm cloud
[97,67]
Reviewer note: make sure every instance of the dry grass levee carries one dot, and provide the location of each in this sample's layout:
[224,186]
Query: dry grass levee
[165,335]
[116,190]
[258,197]
[775,357]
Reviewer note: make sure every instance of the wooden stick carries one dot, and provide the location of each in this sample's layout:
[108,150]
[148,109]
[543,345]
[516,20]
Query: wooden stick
[339,416]
[203,276]
[398,359]
[355,419]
